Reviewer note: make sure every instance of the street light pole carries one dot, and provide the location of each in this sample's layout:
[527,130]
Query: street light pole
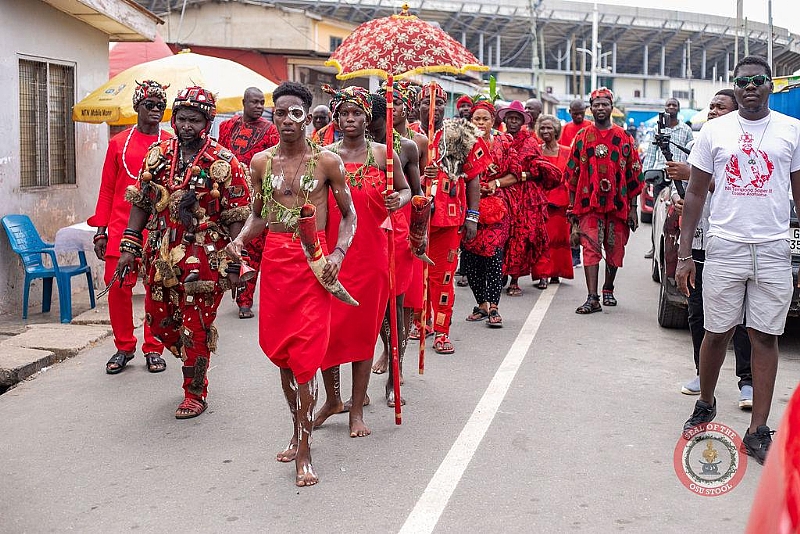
[595,45]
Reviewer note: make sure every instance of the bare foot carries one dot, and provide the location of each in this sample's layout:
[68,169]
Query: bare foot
[326,411]
[357,427]
[288,454]
[305,472]
[381,365]
[349,403]
[390,398]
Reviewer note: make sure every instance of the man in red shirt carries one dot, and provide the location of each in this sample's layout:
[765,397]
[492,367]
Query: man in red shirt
[246,135]
[452,177]
[124,157]
[577,110]
[604,178]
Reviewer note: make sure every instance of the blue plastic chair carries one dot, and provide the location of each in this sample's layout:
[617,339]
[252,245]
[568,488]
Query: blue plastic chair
[26,241]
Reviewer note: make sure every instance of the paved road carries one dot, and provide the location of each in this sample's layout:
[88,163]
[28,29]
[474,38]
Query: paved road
[574,432]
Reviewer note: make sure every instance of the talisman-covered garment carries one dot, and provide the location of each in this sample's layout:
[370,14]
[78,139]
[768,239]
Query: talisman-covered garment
[190,210]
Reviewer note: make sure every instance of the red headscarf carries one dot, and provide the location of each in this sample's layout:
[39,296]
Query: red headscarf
[464,99]
[601,92]
[484,104]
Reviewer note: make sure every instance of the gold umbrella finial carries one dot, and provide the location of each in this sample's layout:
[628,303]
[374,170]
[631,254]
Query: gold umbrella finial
[405,8]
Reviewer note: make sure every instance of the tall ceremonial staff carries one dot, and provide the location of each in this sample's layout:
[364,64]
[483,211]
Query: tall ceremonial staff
[361,54]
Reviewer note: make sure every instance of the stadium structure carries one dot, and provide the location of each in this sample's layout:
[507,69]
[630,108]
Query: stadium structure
[545,47]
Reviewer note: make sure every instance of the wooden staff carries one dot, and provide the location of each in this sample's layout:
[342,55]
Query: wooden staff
[428,187]
[393,337]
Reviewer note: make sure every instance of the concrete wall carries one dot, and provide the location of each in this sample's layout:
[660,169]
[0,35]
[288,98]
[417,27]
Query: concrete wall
[35,30]
[237,25]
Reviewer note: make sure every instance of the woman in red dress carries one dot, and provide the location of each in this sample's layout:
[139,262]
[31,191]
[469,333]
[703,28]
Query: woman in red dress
[558,263]
[482,258]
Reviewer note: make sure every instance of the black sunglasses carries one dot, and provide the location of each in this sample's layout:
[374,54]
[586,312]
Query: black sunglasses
[758,80]
[161,106]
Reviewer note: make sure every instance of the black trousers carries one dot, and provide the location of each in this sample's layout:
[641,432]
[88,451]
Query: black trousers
[741,341]
[484,275]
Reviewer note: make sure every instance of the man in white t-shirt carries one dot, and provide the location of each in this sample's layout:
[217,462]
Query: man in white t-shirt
[753,156]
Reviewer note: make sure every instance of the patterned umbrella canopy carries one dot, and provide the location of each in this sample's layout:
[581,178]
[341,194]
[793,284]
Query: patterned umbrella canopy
[400,45]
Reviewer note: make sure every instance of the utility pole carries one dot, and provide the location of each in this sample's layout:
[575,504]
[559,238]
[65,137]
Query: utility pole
[595,52]
[535,60]
[771,35]
[738,27]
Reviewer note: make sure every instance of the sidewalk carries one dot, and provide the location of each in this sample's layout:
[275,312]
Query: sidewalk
[31,346]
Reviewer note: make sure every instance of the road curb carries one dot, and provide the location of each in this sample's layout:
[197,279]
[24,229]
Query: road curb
[23,355]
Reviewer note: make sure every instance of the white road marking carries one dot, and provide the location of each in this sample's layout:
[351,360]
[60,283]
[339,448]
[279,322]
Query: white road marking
[434,499]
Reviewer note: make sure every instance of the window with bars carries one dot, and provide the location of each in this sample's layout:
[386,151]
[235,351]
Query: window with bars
[47,133]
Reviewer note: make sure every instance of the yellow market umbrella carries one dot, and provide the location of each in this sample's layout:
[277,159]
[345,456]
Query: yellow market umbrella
[111,102]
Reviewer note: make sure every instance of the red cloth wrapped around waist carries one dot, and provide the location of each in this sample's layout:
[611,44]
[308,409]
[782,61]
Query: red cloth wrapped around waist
[294,314]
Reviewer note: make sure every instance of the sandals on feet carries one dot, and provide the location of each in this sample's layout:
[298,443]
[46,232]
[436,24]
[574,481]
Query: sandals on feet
[542,284]
[495,320]
[246,313]
[443,345]
[592,305]
[514,290]
[608,298]
[462,281]
[190,408]
[120,359]
[155,363]
[478,314]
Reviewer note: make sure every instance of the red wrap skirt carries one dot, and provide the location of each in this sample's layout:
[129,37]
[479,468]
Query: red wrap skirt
[294,312]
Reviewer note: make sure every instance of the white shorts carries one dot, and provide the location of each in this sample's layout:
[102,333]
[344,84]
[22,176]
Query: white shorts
[748,284]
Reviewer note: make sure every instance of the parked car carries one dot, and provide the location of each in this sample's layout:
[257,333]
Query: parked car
[672,305]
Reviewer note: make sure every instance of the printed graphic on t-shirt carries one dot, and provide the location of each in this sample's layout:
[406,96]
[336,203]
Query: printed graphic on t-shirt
[747,172]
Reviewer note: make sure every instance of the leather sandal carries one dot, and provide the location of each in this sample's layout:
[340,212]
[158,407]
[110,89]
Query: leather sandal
[608,298]
[155,363]
[443,345]
[495,319]
[592,305]
[478,314]
[190,408]
[120,359]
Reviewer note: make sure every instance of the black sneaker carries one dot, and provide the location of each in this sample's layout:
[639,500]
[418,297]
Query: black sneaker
[757,444]
[703,413]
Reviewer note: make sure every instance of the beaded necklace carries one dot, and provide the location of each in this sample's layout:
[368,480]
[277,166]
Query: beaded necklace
[396,141]
[356,178]
[288,215]
[180,178]
[125,149]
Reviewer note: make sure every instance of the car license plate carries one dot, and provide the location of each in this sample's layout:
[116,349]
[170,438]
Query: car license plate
[794,241]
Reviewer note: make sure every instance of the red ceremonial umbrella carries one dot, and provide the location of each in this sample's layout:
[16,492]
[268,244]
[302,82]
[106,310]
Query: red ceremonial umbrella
[396,47]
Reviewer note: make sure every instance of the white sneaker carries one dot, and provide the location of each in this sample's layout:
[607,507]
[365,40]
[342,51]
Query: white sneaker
[693,387]
[746,398]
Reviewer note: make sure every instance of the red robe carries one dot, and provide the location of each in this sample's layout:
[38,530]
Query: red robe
[112,210]
[364,273]
[528,239]
[492,237]
[559,261]
[246,139]
[570,130]
[604,182]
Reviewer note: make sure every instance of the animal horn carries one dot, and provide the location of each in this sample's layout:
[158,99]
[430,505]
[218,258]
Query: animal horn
[307,228]
[418,226]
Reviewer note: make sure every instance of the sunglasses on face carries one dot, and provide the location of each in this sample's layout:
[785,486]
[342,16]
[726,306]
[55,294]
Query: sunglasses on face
[160,106]
[758,80]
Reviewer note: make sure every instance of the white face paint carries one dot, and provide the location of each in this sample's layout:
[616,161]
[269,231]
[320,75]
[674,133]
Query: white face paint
[297,114]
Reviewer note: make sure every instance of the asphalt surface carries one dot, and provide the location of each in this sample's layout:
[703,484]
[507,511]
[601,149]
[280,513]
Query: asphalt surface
[582,439]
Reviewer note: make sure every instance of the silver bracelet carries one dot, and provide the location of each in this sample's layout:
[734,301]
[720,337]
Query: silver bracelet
[685,258]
